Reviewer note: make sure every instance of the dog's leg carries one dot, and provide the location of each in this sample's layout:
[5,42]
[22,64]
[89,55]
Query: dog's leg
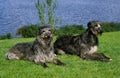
[58,62]
[102,57]
[85,54]
[43,64]
[59,51]
[10,56]
[83,51]
[40,62]
[98,56]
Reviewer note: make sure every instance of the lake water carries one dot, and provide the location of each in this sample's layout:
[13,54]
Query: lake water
[17,13]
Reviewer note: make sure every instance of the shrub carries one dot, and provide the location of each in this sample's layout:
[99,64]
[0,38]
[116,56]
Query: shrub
[110,27]
[7,36]
[31,31]
[28,31]
[69,30]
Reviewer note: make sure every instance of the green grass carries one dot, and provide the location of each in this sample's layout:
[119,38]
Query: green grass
[76,68]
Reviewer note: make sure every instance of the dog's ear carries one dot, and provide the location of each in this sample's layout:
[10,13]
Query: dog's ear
[90,24]
[39,30]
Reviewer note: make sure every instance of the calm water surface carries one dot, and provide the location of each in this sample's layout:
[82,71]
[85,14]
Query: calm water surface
[16,13]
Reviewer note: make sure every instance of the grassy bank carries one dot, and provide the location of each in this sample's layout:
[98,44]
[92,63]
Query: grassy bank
[76,68]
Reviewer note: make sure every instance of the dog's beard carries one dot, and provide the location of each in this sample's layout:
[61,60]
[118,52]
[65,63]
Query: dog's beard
[100,32]
[97,32]
[46,38]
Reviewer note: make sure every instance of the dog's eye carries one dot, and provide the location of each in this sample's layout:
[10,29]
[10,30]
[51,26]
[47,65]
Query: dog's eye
[43,31]
[96,25]
[50,30]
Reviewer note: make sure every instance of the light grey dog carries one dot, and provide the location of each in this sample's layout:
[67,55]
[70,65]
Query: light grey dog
[40,51]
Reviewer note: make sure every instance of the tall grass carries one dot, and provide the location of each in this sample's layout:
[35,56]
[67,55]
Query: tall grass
[46,11]
[76,68]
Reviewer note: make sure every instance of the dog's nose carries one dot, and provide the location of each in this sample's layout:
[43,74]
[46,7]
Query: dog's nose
[100,30]
[48,33]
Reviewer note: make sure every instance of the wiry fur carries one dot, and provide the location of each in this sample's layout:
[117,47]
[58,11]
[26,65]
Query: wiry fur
[40,51]
[84,45]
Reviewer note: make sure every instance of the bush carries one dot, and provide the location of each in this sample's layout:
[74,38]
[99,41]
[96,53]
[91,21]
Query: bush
[31,31]
[7,36]
[110,27]
[28,31]
[69,30]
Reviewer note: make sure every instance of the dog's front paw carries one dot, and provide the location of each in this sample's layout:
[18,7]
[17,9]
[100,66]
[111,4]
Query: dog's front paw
[58,62]
[44,65]
[106,60]
[62,64]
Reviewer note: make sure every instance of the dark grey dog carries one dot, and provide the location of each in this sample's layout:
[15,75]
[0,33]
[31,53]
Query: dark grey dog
[84,45]
[40,51]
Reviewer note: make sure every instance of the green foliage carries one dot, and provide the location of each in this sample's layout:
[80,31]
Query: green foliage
[69,30]
[46,12]
[41,11]
[51,15]
[31,31]
[110,26]
[7,36]
[49,2]
[76,67]
[28,31]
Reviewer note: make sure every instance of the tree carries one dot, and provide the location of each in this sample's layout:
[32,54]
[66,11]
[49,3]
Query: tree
[46,11]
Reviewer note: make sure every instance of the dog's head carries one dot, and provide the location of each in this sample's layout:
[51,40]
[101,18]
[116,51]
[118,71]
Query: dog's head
[45,33]
[95,27]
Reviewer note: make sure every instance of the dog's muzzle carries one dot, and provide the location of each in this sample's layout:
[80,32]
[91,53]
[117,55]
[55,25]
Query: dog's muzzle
[48,36]
[100,31]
